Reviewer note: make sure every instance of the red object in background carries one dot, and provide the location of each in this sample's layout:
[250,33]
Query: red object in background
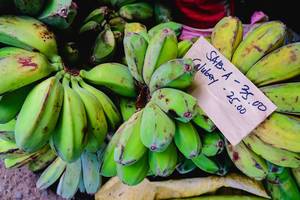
[203,13]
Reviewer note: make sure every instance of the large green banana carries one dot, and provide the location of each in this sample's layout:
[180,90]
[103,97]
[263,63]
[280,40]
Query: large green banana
[187,140]
[258,42]
[135,46]
[51,174]
[7,147]
[174,26]
[95,115]
[11,103]
[163,163]
[111,112]
[29,7]
[130,148]
[42,161]
[28,33]
[279,65]
[178,104]
[127,108]
[157,129]
[272,154]
[247,161]
[206,164]
[23,68]
[59,13]
[70,136]
[186,166]
[122,82]
[137,11]
[162,48]
[213,144]
[135,173]
[177,73]
[284,96]
[227,35]
[280,131]
[39,114]
[183,47]
[203,121]
[69,181]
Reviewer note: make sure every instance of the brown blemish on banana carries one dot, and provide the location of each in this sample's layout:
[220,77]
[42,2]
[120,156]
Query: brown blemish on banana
[235,156]
[258,48]
[27,62]
[257,165]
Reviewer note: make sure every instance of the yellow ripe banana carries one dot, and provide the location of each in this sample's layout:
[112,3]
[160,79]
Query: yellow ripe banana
[39,114]
[227,35]
[279,65]
[70,136]
[130,148]
[28,33]
[183,47]
[115,76]
[260,41]
[162,48]
[157,129]
[272,154]
[111,112]
[280,131]
[178,104]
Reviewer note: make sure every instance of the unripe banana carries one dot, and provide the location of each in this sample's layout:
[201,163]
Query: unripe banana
[130,148]
[137,11]
[117,24]
[98,15]
[260,41]
[213,144]
[70,136]
[227,35]
[177,73]
[135,173]
[206,164]
[247,161]
[279,65]
[187,140]
[284,96]
[202,120]
[39,114]
[185,166]
[90,26]
[157,129]
[274,155]
[29,7]
[178,104]
[122,83]
[280,131]
[183,47]
[14,31]
[162,48]
[127,108]
[163,163]
[176,27]
[18,70]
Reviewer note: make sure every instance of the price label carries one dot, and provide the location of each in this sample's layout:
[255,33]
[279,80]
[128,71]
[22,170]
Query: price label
[227,96]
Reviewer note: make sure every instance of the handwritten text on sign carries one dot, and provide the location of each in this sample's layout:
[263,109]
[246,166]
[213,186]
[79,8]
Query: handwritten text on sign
[228,97]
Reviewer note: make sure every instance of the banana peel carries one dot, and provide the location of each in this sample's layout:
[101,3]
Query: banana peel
[146,190]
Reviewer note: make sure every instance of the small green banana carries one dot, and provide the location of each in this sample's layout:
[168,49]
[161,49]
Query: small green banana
[127,108]
[206,164]
[186,166]
[98,15]
[203,121]
[213,144]
[139,11]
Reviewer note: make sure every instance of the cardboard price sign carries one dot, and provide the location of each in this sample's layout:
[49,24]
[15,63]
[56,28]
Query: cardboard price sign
[227,96]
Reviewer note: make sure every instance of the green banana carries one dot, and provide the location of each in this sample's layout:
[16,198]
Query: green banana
[274,155]
[69,181]
[8,147]
[42,161]
[162,48]
[157,129]
[247,161]
[11,103]
[7,131]
[127,108]
[258,42]
[135,46]
[296,174]
[139,11]
[227,35]
[29,34]
[284,96]
[280,131]
[183,47]
[105,46]
[130,148]
[90,26]
[177,73]
[39,115]
[186,166]
[163,163]
[162,13]
[187,140]
[29,7]
[18,70]
[111,112]
[59,13]
[178,104]
[279,65]
[117,24]
[98,15]
[213,144]
[206,164]
[203,121]
[174,26]
[90,172]
[51,174]
[135,173]
[70,136]
[122,83]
